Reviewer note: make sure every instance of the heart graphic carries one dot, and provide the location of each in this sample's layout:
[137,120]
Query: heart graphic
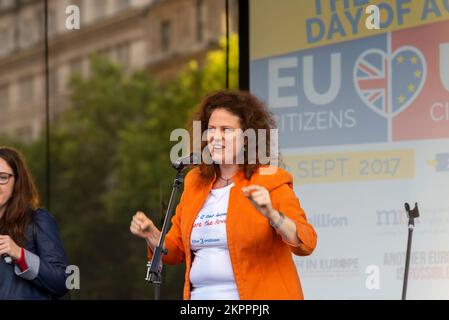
[388,83]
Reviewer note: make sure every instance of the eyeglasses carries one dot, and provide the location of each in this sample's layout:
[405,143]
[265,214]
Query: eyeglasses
[4,177]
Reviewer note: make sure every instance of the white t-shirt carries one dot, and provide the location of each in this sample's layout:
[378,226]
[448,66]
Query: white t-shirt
[211,274]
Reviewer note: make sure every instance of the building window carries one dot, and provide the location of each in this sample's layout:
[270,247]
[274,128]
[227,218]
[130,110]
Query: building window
[26,90]
[40,21]
[6,4]
[233,12]
[52,22]
[123,55]
[100,7]
[4,98]
[165,35]
[5,40]
[199,20]
[76,66]
[122,4]
[27,32]
[75,69]
[53,82]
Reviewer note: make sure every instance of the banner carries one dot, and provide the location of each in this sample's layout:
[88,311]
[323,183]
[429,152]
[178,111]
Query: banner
[363,118]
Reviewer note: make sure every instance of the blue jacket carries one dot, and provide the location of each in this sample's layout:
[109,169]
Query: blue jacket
[46,260]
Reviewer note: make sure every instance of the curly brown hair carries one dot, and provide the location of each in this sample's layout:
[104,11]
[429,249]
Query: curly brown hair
[24,199]
[253,114]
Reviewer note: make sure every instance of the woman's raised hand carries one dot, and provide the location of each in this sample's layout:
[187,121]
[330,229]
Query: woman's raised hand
[143,227]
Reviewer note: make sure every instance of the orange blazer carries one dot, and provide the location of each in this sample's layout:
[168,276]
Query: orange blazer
[262,262]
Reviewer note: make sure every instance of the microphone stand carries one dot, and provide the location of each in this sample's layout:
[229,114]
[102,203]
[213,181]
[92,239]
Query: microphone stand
[154,267]
[412,214]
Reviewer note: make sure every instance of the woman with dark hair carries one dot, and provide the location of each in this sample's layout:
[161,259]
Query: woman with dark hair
[237,223]
[33,262]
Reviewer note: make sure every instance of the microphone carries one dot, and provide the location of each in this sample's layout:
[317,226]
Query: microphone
[7,258]
[183,162]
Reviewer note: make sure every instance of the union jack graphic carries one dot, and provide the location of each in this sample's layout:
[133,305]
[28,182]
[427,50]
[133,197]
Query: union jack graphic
[372,80]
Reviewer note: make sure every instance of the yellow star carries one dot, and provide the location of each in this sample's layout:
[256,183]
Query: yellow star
[401,99]
[414,60]
[418,74]
[400,59]
[432,163]
[411,87]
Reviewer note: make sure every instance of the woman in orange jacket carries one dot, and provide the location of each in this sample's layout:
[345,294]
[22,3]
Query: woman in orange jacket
[237,223]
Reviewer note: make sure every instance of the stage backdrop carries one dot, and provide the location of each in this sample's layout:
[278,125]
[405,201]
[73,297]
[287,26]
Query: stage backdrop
[363,117]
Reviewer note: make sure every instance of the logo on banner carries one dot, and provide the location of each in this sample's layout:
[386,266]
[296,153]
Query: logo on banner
[389,83]
[384,88]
